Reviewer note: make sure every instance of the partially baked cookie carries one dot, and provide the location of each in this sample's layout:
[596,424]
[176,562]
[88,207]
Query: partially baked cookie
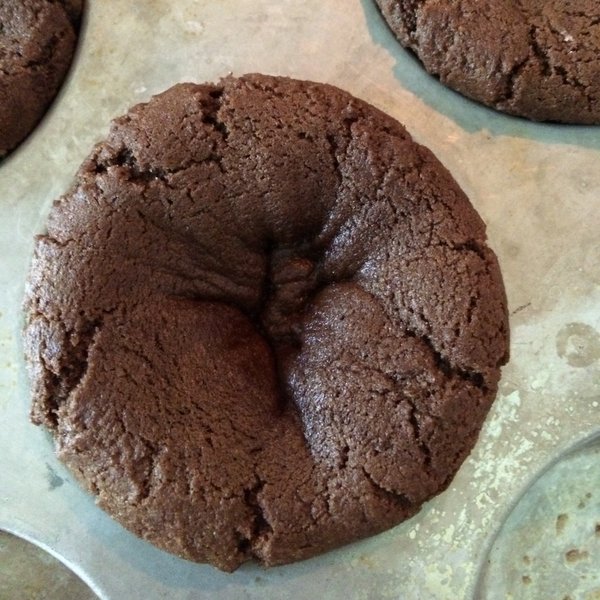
[539,60]
[37,41]
[264,322]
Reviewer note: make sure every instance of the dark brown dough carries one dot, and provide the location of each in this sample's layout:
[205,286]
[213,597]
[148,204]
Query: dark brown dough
[531,58]
[37,41]
[264,322]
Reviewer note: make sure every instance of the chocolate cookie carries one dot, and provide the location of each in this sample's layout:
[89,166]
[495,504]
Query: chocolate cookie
[539,60]
[37,41]
[263,322]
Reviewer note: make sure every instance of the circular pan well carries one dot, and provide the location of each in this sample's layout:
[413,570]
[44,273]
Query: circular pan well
[549,546]
[27,572]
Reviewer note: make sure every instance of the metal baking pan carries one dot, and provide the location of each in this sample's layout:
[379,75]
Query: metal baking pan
[537,186]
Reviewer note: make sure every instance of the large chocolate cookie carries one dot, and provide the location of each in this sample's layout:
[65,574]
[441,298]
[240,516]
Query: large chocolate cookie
[37,41]
[264,322]
[532,58]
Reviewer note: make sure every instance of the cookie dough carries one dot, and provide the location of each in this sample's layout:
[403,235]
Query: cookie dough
[264,322]
[539,60]
[37,41]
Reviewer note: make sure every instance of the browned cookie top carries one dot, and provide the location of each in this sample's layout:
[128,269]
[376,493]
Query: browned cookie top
[263,322]
[534,58]
[37,41]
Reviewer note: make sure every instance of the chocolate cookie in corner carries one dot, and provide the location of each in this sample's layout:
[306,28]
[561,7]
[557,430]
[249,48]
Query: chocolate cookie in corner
[263,322]
[37,42]
[539,60]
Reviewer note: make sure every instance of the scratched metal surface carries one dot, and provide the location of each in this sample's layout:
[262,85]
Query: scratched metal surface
[537,187]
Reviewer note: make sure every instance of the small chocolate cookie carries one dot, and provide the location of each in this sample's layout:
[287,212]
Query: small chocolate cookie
[263,322]
[535,59]
[37,41]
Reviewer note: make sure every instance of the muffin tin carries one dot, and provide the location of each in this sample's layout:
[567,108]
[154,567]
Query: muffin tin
[537,186]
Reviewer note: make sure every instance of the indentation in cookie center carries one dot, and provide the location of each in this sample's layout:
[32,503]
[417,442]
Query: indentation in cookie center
[291,281]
